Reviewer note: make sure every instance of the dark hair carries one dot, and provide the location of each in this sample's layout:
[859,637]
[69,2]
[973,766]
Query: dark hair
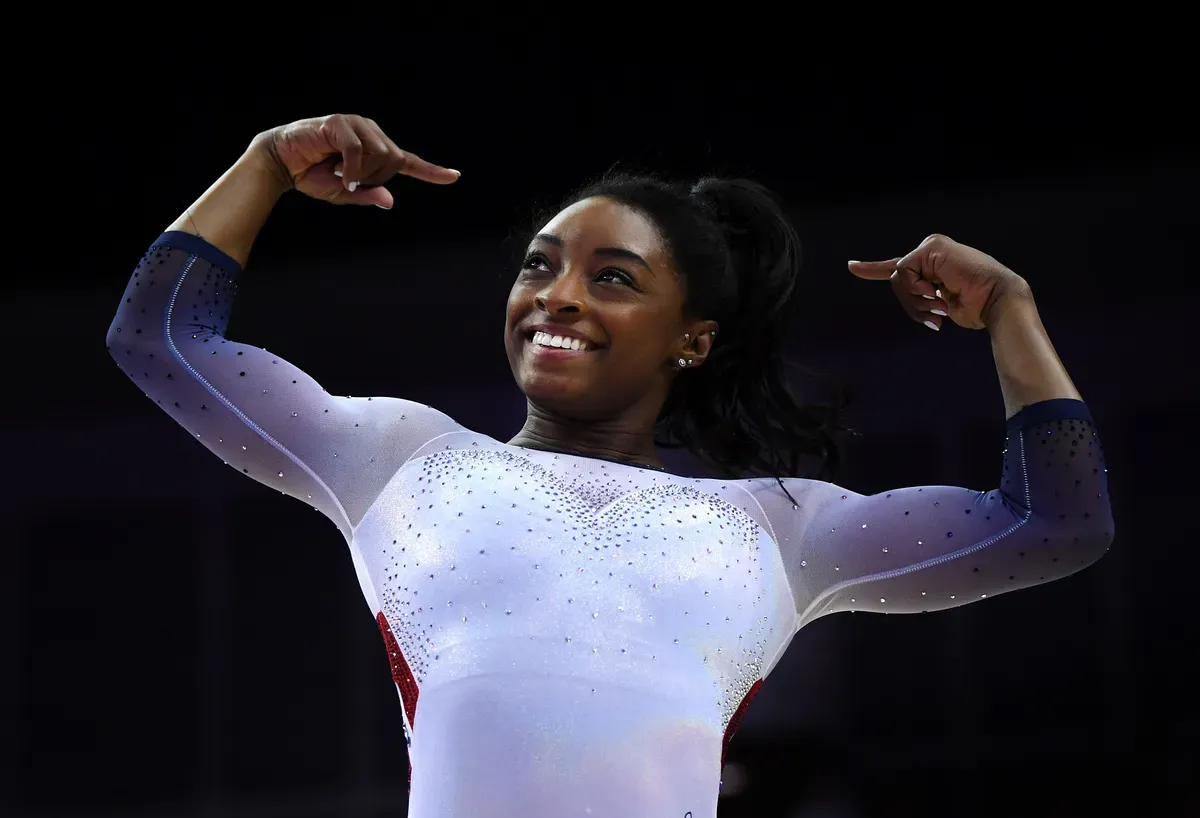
[739,257]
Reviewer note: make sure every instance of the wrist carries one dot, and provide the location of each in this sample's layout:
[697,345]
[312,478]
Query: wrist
[262,159]
[1010,294]
[234,208]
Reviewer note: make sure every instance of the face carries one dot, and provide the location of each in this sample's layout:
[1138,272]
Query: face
[595,317]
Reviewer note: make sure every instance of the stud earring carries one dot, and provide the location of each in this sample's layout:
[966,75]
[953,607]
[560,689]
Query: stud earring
[686,336]
[684,362]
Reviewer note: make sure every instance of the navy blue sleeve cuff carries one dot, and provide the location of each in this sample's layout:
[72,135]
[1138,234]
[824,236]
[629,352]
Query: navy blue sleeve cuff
[198,247]
[1048,410]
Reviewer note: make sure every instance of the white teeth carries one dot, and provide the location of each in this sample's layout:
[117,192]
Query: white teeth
[559,341]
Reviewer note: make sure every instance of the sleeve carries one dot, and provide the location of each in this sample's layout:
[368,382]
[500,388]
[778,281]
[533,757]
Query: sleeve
[258,413]
[928,548]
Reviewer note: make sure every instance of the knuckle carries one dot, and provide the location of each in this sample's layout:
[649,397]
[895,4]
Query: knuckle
[935,238]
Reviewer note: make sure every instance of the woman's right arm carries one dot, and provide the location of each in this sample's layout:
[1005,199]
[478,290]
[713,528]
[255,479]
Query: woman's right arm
[260,414]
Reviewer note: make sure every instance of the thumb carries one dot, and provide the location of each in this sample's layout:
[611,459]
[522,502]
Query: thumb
[378,196]
[874,270]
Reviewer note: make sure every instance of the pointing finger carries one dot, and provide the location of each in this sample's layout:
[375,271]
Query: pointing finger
[873,270]
[412,165]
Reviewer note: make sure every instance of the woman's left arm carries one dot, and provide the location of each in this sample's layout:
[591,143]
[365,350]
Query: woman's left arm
[931,547]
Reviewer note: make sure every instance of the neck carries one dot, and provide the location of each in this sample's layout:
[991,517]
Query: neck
[621,439]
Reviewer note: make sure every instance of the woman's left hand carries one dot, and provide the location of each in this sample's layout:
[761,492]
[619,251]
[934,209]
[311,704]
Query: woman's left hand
[944,278]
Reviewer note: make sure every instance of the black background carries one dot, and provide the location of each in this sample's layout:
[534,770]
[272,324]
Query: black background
[180,641]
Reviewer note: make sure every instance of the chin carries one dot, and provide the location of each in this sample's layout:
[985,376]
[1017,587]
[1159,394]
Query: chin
[569,397]
[553,389]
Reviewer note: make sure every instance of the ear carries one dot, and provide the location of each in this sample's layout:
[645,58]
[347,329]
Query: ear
[697,342]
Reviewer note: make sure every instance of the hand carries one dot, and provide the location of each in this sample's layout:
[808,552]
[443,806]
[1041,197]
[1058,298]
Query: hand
[343,159]
[944,278]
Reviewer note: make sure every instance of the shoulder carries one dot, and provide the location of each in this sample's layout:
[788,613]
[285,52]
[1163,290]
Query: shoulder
[780,505]
[772,491]
[381,408]
[405,424]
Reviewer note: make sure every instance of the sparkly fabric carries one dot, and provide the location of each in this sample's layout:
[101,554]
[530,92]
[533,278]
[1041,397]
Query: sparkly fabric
[583,634]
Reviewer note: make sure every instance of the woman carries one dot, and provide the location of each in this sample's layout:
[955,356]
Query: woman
[572,630]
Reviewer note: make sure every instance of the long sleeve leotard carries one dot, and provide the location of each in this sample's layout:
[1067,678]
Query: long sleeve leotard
[572,636]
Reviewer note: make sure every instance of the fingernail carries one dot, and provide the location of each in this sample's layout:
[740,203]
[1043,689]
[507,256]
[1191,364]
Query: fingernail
[352,186]
[338,174]
[455,172]
[381,207]
[930,297]
[932,325]
[853,261]
[938,312]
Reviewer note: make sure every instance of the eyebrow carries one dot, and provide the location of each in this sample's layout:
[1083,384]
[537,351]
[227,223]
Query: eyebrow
[612,252]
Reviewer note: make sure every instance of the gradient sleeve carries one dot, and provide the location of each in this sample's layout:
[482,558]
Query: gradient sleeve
[254,410]
[927,548]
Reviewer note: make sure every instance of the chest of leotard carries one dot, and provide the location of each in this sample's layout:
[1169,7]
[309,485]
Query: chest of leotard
[490,559]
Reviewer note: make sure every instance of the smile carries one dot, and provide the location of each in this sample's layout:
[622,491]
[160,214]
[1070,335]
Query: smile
[544,339]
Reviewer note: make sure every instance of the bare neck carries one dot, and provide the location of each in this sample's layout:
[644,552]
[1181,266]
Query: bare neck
[624,439]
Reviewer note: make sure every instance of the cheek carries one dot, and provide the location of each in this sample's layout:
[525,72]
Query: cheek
[516,306]
[643,334]
[516,310]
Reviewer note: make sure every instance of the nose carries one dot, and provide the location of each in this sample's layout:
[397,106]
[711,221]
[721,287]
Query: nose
[565,294]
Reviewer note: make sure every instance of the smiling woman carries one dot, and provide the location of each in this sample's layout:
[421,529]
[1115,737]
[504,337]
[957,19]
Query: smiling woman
[652,271]
[571,629]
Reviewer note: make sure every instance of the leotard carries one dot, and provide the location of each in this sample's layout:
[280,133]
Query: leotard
[571,636]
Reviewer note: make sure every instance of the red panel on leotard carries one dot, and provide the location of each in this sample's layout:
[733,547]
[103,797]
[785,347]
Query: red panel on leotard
[402,675]
[736,720]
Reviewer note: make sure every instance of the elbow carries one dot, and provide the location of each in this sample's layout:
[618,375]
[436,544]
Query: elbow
[121,344]
[1096,531]
[115,340]
[1081,542]
[112,339]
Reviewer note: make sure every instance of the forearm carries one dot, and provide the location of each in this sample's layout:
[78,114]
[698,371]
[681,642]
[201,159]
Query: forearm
[1029,368]
[231,212]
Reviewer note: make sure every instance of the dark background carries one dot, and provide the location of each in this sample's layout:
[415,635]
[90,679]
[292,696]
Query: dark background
[180,641]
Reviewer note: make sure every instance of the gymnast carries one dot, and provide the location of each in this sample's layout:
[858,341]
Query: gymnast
[572,629]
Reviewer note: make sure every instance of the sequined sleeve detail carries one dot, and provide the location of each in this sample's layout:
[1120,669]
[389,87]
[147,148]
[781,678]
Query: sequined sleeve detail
[260,414]
[927,548]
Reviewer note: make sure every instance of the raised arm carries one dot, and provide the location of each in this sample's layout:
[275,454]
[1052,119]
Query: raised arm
[925,548]
[260,414]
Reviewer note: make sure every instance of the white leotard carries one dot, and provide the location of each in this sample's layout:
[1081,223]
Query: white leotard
[572,636]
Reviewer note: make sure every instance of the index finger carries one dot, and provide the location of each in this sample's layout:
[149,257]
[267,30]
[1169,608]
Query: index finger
[412,165]
[876,270]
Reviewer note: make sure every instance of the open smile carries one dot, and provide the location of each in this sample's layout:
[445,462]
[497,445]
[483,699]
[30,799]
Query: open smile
[545,342]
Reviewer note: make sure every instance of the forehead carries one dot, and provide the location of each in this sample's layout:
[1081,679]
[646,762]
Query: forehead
[601,222]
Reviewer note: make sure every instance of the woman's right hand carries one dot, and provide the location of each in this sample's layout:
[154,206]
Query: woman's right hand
[343,159]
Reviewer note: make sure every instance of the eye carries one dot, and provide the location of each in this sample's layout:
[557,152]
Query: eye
[536,261]
[613,274]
